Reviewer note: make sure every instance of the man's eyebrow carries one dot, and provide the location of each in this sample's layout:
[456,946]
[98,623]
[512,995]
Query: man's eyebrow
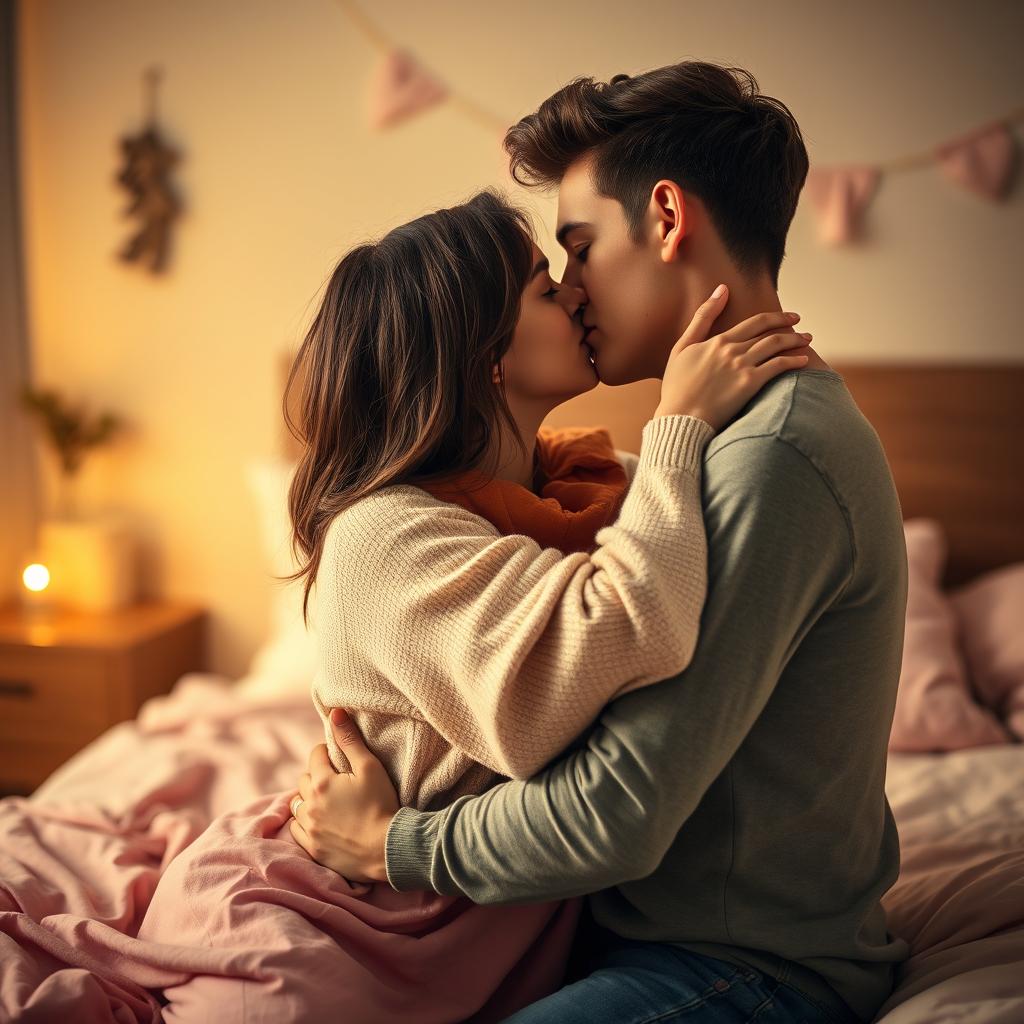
[568,227]
[540,265]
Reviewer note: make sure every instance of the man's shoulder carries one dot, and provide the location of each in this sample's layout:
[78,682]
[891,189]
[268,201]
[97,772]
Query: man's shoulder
[801,452]
[796,407]
[809,413]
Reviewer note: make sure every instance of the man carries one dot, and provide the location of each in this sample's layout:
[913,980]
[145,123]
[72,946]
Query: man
[729,823]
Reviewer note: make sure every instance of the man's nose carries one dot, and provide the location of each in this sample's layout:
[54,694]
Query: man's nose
[571,298]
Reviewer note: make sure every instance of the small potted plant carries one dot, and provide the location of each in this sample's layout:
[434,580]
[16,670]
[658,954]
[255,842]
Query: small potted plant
[72,434]
[90,558]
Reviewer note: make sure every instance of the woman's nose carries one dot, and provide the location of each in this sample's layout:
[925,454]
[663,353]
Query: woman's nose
[571,298]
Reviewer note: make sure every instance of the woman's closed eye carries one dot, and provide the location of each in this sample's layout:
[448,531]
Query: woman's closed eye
[551,292]
[581,254]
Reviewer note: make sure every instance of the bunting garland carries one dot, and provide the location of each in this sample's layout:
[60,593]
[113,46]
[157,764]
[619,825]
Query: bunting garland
[984,161]
[840,196]
[402,87]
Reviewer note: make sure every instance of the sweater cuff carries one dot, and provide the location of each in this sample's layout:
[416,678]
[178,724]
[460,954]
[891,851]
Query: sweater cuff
[674,440]
[409,849]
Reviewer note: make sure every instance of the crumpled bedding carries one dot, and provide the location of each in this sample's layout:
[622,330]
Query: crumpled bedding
[81,863]
[154,877]
[959,899]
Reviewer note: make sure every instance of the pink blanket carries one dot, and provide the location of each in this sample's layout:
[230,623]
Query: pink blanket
[154,877]
[157,868]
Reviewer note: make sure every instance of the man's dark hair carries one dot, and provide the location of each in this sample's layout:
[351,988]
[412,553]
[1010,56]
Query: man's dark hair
[704,126]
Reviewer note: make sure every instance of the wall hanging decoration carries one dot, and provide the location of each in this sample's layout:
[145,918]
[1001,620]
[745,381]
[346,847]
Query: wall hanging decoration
[148,161]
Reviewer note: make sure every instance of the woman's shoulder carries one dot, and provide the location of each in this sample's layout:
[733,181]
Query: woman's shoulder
[390,513]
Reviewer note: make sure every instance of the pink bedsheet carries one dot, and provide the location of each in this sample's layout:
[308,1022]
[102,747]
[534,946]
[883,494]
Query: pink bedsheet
[959,900]
[154,877]
[81,864]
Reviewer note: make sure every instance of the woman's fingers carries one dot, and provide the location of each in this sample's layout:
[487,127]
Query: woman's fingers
[780,364]
[707,313]
[762,348]
[756,325]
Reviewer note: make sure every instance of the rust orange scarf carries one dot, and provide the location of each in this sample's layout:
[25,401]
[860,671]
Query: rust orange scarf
[584,484]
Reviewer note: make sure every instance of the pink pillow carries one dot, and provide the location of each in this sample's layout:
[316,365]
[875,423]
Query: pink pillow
[991,618]
[935,710]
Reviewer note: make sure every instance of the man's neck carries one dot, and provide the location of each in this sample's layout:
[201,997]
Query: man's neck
[747,300]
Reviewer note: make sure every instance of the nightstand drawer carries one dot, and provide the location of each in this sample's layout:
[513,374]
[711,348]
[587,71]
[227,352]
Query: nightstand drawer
[26,763]
[53,693]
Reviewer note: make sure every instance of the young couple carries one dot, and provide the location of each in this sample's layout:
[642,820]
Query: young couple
[664,682]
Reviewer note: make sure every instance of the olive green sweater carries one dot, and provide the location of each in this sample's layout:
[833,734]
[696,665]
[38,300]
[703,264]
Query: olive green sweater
[738,808]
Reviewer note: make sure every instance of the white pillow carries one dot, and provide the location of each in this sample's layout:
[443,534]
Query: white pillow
[286,663]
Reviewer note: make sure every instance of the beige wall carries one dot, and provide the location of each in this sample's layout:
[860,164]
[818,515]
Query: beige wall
[281,175]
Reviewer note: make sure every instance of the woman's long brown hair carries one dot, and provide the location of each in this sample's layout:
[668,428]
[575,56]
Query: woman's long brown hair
[397,367]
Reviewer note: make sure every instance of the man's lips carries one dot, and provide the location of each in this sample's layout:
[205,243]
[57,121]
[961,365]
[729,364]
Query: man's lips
[586,346]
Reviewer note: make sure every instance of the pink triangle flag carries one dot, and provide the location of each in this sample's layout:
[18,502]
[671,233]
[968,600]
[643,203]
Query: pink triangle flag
[981,162]
[401,87]
[840,196]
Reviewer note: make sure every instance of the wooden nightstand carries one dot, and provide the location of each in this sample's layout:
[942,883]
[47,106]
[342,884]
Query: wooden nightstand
[67,678]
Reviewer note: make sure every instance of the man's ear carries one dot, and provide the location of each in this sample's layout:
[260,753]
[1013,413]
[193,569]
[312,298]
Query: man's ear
[668,209]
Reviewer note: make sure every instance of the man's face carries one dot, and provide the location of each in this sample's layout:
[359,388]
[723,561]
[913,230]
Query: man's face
[630,292]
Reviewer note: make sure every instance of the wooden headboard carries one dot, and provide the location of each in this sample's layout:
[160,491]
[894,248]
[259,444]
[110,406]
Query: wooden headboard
[953,436]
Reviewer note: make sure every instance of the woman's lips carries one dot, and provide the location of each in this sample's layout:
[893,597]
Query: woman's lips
[588,351]
[586,346]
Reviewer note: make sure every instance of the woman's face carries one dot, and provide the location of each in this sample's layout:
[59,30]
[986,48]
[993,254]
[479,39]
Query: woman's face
[547,362]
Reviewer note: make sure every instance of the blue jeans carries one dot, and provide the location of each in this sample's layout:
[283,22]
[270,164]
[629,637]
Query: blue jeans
[653,982]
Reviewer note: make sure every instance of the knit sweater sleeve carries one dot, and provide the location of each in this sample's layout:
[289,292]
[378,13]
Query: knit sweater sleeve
[510,650]
[629,461]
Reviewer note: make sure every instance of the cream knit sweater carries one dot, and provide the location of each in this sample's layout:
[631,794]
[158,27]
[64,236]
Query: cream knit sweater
[465,655]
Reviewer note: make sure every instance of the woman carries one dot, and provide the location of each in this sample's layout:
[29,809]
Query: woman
[435,357]
[468,649]
[484,587]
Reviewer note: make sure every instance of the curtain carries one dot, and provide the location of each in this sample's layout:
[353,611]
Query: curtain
[19,485]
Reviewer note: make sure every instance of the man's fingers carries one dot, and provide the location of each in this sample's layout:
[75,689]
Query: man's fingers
[305,788]
[349,738]
[300,835]
[302,799]
[321,771]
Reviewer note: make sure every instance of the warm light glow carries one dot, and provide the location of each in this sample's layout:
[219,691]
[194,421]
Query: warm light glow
[36,576]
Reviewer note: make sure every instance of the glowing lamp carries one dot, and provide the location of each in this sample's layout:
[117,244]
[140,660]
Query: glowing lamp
[36,577]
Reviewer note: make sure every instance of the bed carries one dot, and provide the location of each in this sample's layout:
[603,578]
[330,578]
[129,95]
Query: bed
[82,857]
